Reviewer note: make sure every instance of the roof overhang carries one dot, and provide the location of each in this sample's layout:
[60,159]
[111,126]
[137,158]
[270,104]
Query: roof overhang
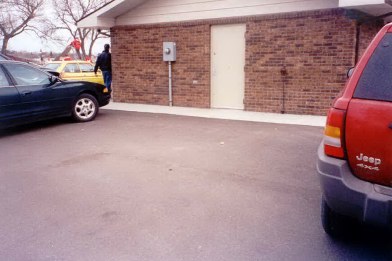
[371,7]
[106,17]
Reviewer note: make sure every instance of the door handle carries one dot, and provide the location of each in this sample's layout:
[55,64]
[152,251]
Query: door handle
[26,93]
[390,125]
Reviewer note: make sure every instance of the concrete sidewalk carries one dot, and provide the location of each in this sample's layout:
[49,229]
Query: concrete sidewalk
[226,114]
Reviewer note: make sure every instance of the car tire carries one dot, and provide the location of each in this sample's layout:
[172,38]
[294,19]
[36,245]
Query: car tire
[334,224]
[85,108]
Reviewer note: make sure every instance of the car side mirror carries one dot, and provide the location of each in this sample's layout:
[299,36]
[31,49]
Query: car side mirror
[57,74]
[350,72]
[53,79]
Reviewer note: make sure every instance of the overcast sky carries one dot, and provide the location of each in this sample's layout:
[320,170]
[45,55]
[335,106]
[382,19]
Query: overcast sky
[31,43]
[28,41]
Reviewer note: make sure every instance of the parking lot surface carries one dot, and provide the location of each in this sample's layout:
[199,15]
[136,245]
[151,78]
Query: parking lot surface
[138,186]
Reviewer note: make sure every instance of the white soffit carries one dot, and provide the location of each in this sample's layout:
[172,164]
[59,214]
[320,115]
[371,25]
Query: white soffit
[164,11]
[372,7]
[131,12]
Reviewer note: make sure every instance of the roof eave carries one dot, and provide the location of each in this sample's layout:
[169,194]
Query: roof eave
[105,17]
[371,7]
[96,22]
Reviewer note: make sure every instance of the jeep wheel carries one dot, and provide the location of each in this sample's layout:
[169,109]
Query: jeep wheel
[85,108]
[333,223]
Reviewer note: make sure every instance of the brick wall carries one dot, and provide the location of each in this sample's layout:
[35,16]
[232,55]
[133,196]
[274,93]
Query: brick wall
[367,32]
[140,75]
[315,48]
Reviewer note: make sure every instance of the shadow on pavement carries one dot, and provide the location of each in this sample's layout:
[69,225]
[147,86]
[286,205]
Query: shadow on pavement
[34,127]
[368,243]
[51,123]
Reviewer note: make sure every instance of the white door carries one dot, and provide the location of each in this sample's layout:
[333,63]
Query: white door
[227,66]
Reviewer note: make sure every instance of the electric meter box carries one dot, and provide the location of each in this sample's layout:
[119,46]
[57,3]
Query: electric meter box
[169,51]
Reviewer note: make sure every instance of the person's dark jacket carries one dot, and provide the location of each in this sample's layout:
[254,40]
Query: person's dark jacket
[104,62]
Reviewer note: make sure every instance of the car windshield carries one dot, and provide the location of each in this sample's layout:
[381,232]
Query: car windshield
[52,66]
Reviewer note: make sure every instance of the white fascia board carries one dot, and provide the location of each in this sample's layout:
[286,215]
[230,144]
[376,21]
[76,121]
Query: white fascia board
[353,3]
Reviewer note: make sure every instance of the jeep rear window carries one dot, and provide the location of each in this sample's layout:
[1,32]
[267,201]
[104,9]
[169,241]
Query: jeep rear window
[376,80]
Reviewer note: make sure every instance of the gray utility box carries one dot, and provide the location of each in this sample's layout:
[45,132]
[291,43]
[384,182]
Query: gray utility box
[169,51]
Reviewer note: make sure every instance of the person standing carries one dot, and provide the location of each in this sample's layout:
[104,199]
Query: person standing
[104,62]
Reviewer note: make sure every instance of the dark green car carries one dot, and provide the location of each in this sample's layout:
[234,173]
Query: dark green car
[29,94]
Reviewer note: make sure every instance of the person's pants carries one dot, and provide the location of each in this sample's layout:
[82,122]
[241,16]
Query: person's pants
[107,79]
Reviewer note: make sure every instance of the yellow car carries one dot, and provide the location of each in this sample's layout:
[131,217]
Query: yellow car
[76,70]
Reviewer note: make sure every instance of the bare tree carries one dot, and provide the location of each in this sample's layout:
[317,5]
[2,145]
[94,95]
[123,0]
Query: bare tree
[17,16]
[69,12]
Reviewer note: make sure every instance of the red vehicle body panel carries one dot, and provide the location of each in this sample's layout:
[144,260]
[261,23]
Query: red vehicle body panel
[369,140]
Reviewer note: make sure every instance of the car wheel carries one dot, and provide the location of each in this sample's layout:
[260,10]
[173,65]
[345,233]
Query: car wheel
[85,108]
[334,224]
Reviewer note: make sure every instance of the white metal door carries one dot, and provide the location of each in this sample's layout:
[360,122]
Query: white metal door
[227,66]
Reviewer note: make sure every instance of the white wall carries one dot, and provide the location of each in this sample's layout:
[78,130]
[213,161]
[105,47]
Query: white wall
[159,11]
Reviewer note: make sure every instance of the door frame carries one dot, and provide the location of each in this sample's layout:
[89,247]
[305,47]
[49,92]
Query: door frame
[237,103]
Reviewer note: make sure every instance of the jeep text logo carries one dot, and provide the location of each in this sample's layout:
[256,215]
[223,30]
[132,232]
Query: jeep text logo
[371,160]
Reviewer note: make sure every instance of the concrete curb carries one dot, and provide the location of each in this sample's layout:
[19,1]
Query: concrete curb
[227,114]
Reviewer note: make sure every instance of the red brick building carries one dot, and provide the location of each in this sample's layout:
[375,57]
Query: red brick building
[257,55]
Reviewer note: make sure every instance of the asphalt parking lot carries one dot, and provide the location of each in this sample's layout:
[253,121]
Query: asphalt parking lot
[138,186]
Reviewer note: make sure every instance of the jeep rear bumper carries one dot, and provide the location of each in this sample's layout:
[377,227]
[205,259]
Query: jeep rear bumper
[347,195]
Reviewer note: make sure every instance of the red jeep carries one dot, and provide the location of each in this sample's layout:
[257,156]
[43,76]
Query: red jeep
[355,157]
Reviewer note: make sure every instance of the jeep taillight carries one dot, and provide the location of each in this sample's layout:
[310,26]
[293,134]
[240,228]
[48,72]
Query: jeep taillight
[333,135]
